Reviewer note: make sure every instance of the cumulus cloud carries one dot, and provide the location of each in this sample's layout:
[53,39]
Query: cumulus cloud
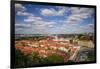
[19,7]
[32,19]
[22,13]
[53,12]
[36,27]
[79,14]
[39,23]
[72,22]
[43,24]
[21,10]
[78,10]
[48,12]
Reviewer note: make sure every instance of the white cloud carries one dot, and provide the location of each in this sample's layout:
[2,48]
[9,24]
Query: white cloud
[21,13]
[62,10]
[71,24]
[79,14]
[19,7]
[91,26]
[39,23]
[32,19]
[22,25]
[35,24]
[53,12]
[78,10]
[74,20]
[48,12]
[43,24]
[21,10]
[37,27]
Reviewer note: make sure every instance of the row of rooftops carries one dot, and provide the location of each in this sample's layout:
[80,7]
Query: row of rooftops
[46,47]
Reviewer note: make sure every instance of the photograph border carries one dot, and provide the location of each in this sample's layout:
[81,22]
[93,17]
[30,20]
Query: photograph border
[12,30]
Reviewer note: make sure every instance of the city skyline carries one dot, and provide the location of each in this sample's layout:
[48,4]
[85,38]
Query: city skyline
[41,19]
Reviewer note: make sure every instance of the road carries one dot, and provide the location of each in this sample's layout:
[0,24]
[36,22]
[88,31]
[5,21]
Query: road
[83,54]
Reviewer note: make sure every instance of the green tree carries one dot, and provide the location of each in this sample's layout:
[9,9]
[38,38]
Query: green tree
[54,58]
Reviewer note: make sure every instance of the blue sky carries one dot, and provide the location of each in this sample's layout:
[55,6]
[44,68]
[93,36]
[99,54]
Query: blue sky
[41,19]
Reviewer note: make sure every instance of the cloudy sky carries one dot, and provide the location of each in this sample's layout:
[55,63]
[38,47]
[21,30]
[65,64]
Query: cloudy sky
[41,19]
